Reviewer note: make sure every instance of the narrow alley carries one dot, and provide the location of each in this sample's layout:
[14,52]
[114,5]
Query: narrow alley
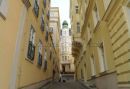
[66,85]
[65,44]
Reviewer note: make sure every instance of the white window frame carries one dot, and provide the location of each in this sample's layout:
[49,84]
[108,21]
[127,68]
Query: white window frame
[40,47]
[32,35]
[92,61]
[102,58]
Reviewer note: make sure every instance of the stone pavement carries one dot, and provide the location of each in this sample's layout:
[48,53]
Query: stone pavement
[67,85]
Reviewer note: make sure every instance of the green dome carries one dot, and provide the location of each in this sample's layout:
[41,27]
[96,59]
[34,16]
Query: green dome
[65,23]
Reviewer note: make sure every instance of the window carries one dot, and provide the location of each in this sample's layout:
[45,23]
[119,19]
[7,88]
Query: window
[42,22]
[45,60]
[40,53]
[92,61]
[95,15]
[44,2]
[31,47]
[103,66]
[61,32]
[50,53]
[69,32]
[82,74]
[78,27]
[76,9]
[36,7]
[48,15]
[65,58]
[46,36]
[3,8]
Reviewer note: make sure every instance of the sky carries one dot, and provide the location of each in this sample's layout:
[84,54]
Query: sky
[64,6]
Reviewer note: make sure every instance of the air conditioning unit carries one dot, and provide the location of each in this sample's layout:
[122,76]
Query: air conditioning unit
[51,30]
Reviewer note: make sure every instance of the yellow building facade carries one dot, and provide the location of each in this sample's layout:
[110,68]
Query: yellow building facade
[27,52]
[102,51]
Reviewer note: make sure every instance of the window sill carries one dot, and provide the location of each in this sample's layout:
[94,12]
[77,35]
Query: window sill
[29,60]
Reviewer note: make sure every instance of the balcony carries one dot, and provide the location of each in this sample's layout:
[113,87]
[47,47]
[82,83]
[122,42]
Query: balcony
[76,48]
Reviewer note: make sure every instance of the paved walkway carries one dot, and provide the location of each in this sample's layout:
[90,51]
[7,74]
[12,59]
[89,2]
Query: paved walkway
[67,85]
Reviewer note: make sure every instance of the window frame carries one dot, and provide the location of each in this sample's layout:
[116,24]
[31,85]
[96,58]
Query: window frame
[31,44]
[102,58]
[40,53]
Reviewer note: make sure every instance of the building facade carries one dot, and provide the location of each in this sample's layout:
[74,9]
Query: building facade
[55,28]
[102,48]
[28,46]
[67,61]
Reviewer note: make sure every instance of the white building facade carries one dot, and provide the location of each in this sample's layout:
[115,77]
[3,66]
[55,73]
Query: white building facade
[67,61]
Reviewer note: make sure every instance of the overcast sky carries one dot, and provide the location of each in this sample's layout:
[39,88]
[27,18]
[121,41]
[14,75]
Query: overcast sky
[64,6]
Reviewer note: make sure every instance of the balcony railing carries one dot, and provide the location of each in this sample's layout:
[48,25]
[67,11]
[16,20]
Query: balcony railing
[36,8]
[31,51]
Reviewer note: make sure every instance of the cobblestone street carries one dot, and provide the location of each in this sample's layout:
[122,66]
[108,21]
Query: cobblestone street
[67,85]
